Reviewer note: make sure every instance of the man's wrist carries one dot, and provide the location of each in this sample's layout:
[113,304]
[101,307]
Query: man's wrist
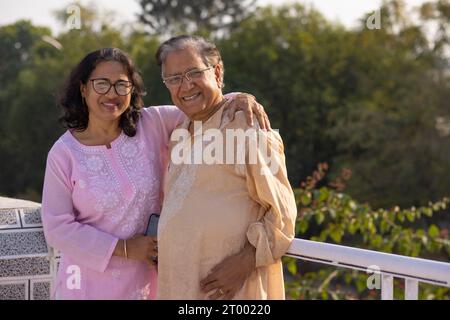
[249,252]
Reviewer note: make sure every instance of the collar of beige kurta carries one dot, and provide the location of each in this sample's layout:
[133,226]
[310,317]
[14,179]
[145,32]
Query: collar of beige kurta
[214,122]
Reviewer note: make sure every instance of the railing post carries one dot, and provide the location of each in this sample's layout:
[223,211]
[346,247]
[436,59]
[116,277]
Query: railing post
[387,287]
[411,289]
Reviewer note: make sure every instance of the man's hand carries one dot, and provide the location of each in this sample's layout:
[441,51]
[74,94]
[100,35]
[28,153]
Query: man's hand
[228,277]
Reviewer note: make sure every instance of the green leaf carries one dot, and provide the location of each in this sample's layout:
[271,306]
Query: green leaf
[303,225]
[336,234]
[323,194]
[391,215]
[415,249]
[410,216]
[332,213]
[323,235]
[433,231]
[361,285]
[348,277]
[306,199]
[377,240]
[428,212]
[352,227]
[371,227]
[292,267]
[384,226]
[319,217]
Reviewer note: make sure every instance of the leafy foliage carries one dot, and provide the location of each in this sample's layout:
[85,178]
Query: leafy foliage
[168,17]
[328,215]
[363,99]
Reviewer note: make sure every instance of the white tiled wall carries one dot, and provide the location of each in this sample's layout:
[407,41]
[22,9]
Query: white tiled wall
[27,264]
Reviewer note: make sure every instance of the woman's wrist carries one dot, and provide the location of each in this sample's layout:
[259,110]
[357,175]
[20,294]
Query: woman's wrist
[125,248]
[119,250]
[245,95]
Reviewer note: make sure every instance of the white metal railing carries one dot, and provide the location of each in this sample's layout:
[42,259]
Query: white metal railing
[413,270]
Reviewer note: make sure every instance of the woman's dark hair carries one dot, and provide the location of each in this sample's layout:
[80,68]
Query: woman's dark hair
[76,113]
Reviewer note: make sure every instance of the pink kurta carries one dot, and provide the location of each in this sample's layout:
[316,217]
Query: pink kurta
[94,196]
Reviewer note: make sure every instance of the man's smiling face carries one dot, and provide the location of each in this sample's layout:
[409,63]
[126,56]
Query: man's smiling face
[198,93]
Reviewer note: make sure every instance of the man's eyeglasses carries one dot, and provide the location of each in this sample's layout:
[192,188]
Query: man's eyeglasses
[189,75]
[102,86]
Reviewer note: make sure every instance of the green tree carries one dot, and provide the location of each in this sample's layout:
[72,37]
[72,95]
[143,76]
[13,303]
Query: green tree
[165,17]
[295,63]
[363,99]
[33,76]
[387,128]
[21,44]
[142,48]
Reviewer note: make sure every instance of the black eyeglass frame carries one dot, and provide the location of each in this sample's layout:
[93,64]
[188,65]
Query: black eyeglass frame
[130,86]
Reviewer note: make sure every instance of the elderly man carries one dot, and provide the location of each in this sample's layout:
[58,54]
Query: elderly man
[225,223]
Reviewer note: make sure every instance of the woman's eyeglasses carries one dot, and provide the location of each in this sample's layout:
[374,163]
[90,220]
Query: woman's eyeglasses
[102,86]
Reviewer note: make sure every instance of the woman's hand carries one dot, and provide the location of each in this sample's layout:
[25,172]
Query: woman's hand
[228,277]
[139,247]
[143,248]
[247,103]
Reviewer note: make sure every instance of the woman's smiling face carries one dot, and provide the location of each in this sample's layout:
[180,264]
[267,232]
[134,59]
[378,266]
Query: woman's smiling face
[108,106]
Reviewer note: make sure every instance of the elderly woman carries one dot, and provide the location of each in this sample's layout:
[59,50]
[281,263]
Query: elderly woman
[224,225]
[103,180]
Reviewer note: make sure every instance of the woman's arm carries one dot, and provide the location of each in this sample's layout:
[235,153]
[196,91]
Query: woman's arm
[83,243]
[171,116]
[247,103]
[139,247]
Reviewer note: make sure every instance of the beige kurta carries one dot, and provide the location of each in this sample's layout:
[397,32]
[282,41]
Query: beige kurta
[210,210]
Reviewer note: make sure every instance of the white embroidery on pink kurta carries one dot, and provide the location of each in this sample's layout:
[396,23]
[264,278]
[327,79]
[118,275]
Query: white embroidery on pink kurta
[82,183]
[95,163]
[128,150]
[100,181]
[142,294]
[115,273]
[145,182]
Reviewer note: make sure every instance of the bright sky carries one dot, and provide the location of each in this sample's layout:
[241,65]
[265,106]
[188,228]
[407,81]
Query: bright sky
[40,12]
